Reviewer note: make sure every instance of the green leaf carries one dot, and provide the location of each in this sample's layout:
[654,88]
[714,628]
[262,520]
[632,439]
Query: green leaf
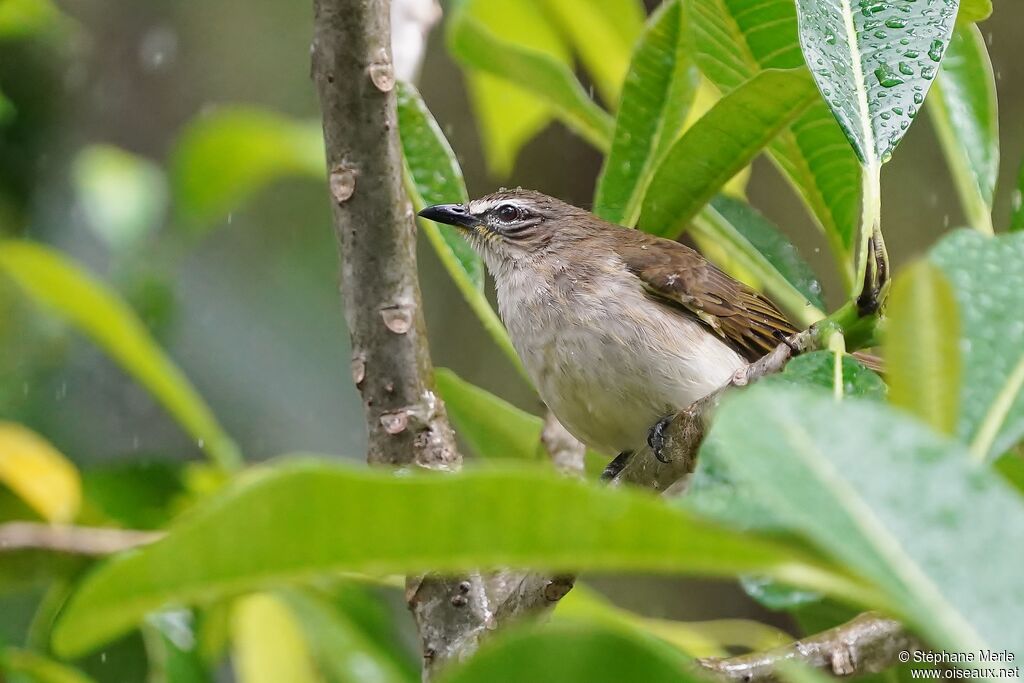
[435,173]
[836,473]
[763,251]
[7,110]
[987,275]
[711,638]
[224,157]
[714,493]
[477,45]
[721,143]
[817,369]
[268,645]
[573,652]
[508,114]
[433,176]
[97,312]
[38,668]
[341,650]
[660,88]
[1017,215]
[603,33]
[124,196]
[137,494]
[493,428]
[22,18]
[735,40]
[246,538]
[974,10]
[965,114]
[874,63]
[922,347]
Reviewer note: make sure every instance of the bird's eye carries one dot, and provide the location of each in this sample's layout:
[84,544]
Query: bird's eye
[508,213]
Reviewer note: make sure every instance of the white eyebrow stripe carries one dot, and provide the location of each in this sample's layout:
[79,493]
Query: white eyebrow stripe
[479,206]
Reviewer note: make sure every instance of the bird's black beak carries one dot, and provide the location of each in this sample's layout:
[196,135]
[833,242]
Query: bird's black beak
[451,214]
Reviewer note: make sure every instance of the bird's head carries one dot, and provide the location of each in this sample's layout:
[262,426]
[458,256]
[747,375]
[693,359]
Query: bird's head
[512,225]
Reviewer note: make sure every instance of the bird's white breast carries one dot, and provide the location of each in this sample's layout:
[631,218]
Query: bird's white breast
[606,359]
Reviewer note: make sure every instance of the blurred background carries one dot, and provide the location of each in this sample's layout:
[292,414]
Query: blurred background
[104,103]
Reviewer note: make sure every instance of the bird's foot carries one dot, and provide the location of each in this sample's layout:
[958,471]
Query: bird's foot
[615,466]
[656,437]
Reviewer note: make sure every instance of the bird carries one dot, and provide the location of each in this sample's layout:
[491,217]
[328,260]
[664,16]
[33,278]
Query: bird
[617,328]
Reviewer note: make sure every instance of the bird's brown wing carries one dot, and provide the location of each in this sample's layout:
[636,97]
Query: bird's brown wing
[677,275]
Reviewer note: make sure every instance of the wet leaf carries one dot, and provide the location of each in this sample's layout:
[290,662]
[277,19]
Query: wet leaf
[835,473]
[874,62]
[987,275]
[735,40]
[965,113]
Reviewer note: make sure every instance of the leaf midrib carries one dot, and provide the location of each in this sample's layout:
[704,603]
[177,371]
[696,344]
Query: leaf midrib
[864,115]
[915,581]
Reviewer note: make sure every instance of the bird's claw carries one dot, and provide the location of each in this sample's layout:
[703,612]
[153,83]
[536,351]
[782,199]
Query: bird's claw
[613,468]
[656,438]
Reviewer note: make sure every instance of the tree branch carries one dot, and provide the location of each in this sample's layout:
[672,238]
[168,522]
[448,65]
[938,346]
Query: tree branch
[73,540]
[867,644]
[373,223]
[375,230]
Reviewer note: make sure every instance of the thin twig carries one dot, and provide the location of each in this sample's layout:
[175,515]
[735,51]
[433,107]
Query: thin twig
[868,644]
[73,540]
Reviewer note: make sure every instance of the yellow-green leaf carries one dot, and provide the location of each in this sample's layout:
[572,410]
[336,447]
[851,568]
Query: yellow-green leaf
[267,643]
[41,476]
[509,114]
[722,143]
[20,18]
[974,10]
[524,68]
[602,32]
[35,668]
[96,311]
[921,347]
[225,156]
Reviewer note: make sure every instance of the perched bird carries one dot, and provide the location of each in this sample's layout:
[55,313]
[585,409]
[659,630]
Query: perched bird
[617,328]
